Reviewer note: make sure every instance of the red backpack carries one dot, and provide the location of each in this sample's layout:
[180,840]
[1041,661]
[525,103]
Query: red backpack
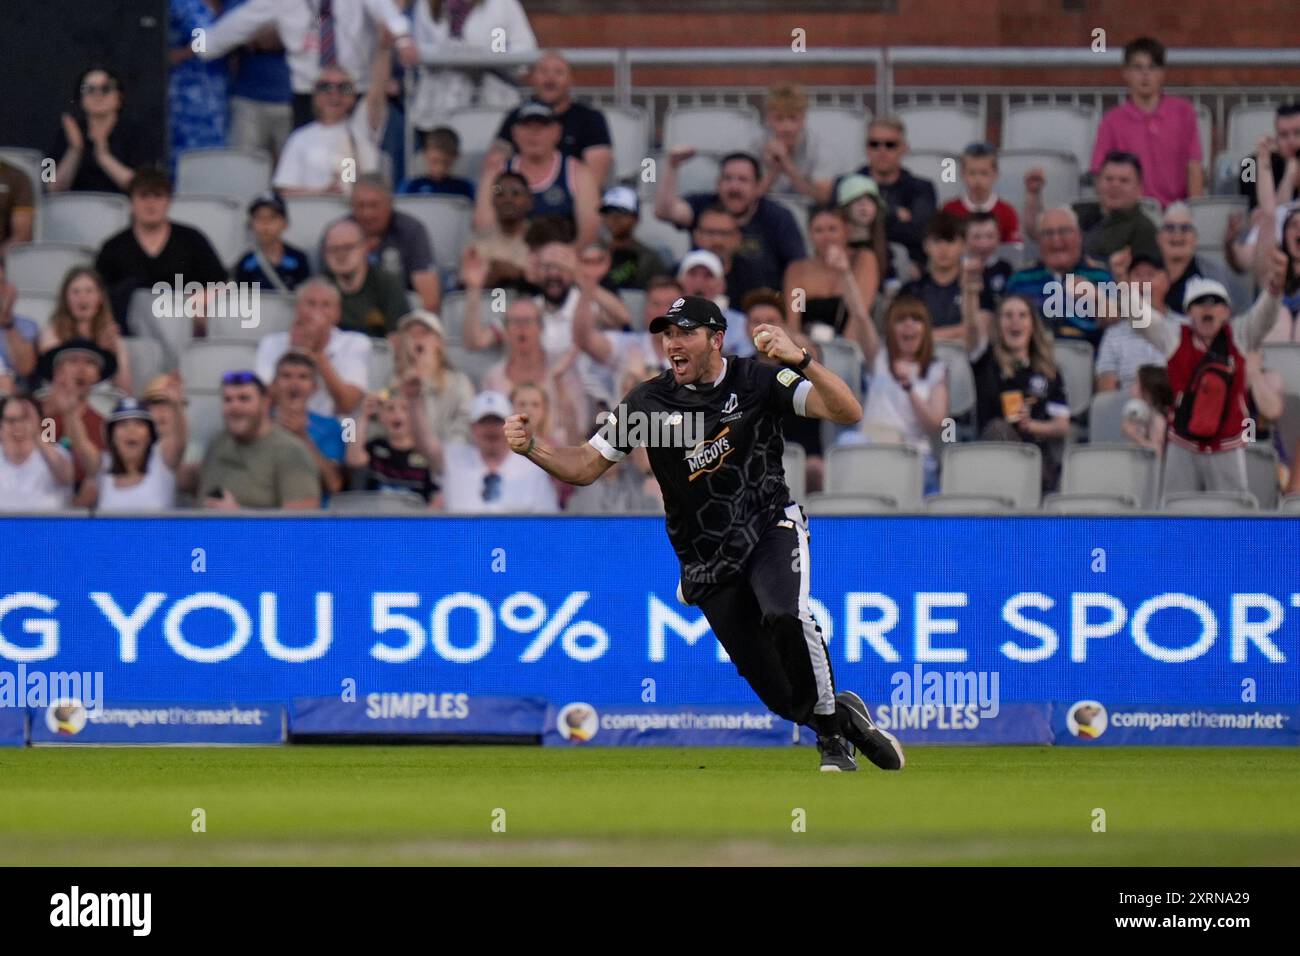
[1207,400]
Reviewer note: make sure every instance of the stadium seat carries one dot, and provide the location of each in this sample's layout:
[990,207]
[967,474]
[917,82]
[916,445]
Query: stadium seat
[1247,122]
[839,503]
[714,128]
[1210,214]
[447,219]
[1060,170]
[1106,417]
[1074,362]
[203,415]
[1290,505]
[634,302]
[885,471]
[37,306]
[1211,502]
[1001,469]
[274,312]
[840,133]
[1241,287]
[1080,504]
[1262,474]
[699,174]
[39,267]
[844,358]
[308,217]
[929,164]
[1013,253]
[84,218]
[473,363]
[942,127]
[477,128]
[961,378]
[238,174]
[220,218]
[204,361]
[147,359]
[955,503]
[1062,127]
[1118,470]
[1284,358]
[174,335]
[29,161]
[629,132]
[377,502]
[380,374]
[798,208]
[794,462]
[665,238]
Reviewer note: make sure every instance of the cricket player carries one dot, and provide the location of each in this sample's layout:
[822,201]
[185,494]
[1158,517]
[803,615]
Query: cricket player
[741,540]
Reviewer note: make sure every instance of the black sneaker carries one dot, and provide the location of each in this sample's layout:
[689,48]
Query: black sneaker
[879,746]
[836,754]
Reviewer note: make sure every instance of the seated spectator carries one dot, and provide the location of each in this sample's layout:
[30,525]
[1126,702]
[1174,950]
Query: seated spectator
[717,231]
[154,250]
[1206,433]
[1160,131]
[1118,220]
[1060,243]
[1146,413]
[632,264]
[828,294]
[445,392]
[1177,239]
[979,174]
[196,89]
[1019,394]
[18,334]
[441,148]
[584,133]
[253,463]
[83,313]
[788,150]
[484,477]
[138,468]
[397,460]
[325,157]
[1287,328]
[73,369]
[342,358]
[982,241]
[909,200]
[395,241]
[17,206]
[940,286]
[294,383]
[769,234]
[858,198]
[271,262]
[907,393]
[35,475]
[372,298]
[1282,154]
[701,273]
[1124,350]
[97,149]
[500,226]
[562,187]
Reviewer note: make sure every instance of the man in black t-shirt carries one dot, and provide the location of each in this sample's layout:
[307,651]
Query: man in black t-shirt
[712,428]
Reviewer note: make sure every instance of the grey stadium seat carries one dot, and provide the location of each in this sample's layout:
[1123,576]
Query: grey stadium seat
[1210,215]
[274,312]
[380,372]
[672,243]
[961,378]
[1284,358]
[308,217]
[840,133]
[634,302]
[203,415]
[85,218]
[1111,469]
[1072,504]
[1008,469]
[376,502]
[1211,503]
[147,358]
[629,133]
[1247,122]
[964,504]
[1060,170]
[835,503]
[204,361]
[1290,505]
[718,128]
[39,267]
[1261,474]
[1052,126]
[447,219]
[889,471]
[947,128]
[238,174]
[37,306]
[173,334]
[794,462]
[477,128]
[844,358]
[699,174]
[1074,362]
[220,218]
[929,164]
[29,161]
[1106,416]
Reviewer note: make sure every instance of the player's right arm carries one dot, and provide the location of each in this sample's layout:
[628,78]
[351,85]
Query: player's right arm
[575,464]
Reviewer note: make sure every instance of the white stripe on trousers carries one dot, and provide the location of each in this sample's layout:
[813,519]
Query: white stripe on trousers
[821,665]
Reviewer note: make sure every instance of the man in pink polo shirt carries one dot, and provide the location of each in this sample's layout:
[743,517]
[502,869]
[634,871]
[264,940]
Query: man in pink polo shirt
[1160,130]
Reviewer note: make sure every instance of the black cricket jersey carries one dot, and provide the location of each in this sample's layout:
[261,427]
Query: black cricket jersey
[720,468]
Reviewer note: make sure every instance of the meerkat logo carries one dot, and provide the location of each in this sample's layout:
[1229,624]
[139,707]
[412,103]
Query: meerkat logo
[66,718]
[577,722]
[1086,720]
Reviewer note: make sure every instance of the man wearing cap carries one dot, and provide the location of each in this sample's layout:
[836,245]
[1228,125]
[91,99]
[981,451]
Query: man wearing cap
[482,477]
[1123,348]
[632,264]
[741,540]
[73,369]
[1207,372]
[272,263]
[35,475]
[700,273]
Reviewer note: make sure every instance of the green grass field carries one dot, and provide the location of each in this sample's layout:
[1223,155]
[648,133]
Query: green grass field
[415,805]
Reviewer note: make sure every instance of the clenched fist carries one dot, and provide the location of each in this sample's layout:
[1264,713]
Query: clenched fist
[518,434]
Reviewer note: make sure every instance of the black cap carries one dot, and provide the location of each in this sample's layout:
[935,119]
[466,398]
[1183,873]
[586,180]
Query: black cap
[106,360]
[690,312]
[269,198]
[535,110]
[1150,257]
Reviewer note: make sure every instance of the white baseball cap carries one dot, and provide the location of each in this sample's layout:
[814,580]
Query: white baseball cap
[1199,287]
[701,257]
[424,317]
[620,197]
[490,405]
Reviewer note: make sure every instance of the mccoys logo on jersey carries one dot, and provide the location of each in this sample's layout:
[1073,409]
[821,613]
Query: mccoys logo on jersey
[708,455]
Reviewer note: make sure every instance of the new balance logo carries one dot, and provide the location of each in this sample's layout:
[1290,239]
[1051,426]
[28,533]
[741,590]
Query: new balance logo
[730,407]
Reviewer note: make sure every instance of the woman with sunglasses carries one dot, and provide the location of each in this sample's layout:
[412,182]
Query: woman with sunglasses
[98,149]
[1177,240]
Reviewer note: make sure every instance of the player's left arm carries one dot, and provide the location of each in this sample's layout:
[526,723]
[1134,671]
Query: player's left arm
[829,397]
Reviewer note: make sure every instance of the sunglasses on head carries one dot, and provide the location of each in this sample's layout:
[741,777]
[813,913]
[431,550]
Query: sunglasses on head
[240,377]
[327,86]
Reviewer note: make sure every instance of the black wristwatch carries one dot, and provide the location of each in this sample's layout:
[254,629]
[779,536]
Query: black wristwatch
[807,360]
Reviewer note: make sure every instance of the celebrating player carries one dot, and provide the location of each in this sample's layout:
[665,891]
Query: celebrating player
[741,540]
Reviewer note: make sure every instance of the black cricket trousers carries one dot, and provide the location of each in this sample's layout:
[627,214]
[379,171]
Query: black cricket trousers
[763,620]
